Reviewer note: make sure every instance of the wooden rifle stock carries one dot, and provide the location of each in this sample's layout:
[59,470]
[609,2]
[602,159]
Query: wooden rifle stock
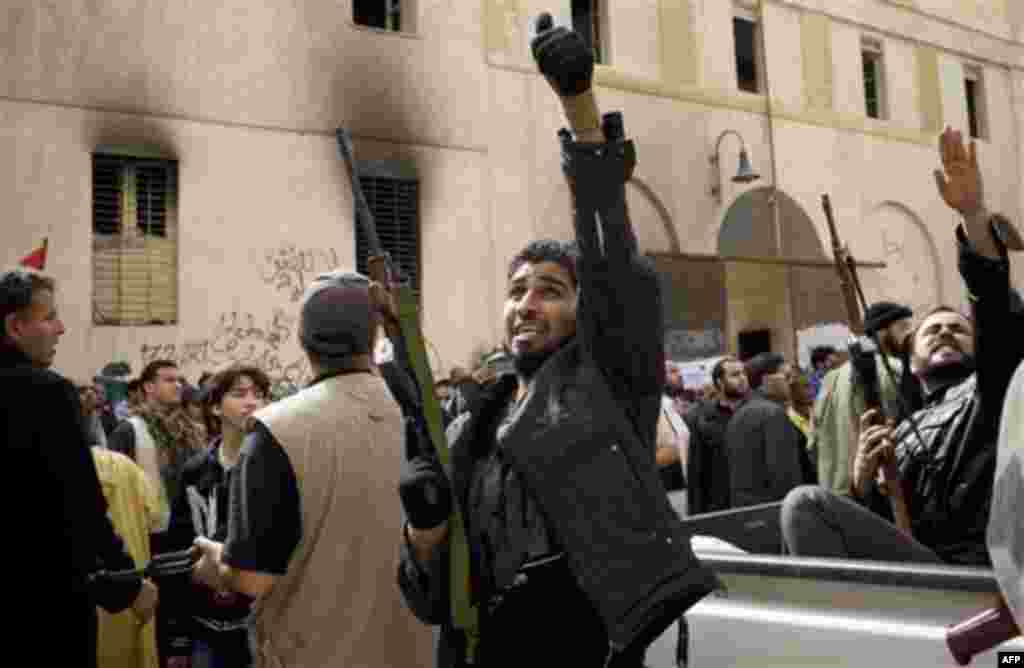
[845,269]
[853,298]
[981,633]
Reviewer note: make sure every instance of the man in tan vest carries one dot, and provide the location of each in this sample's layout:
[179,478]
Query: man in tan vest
[313,510]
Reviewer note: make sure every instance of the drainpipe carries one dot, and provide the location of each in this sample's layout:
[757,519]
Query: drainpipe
[1016,88]
[776,219]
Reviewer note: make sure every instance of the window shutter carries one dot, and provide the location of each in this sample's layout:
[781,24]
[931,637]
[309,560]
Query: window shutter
[135,257]
[394,201]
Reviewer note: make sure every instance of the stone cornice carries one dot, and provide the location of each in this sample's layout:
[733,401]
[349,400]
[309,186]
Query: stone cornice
[911,24]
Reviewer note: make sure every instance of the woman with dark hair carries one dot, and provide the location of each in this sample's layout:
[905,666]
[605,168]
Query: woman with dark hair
[206,625]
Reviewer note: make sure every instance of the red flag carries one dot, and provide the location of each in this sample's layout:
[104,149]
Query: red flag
[37,258]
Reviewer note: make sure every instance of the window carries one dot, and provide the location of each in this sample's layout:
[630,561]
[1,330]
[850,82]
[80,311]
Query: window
[747,37]
[874,79]
[392,192]
[974,86]
[588,21]
[382,14]
[134,232]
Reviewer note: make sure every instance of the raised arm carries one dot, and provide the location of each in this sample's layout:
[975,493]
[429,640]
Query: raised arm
[619,313]
[983,241]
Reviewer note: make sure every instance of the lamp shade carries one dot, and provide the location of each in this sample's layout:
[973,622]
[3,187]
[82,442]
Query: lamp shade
[745,173]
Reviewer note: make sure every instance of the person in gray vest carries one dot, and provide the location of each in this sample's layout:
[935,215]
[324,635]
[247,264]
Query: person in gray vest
[313,512]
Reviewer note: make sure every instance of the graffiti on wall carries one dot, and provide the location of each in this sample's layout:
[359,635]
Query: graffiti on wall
[266,341]
[911,275]
[289,269]
[240,337]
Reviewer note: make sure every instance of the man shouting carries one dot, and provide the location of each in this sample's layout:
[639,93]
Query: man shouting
[946,454]
[577,557]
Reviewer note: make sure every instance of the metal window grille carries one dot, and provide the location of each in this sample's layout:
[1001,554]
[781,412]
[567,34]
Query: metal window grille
[394,200]
[134,225]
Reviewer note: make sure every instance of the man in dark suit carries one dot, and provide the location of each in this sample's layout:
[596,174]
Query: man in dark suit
[60,524]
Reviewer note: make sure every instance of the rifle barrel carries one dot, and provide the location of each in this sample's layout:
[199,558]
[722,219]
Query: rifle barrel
[364,216]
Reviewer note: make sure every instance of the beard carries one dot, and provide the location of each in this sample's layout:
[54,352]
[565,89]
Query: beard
[527,364]
[731,393]
[948,374]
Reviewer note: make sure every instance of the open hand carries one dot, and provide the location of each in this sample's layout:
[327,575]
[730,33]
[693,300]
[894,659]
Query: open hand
[959,181]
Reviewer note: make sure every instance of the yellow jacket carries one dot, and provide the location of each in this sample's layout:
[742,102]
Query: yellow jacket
[134,510]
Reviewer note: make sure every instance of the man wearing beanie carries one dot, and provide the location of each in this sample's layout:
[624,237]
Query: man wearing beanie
[944,458]
[841,402]
[767,453]
[313,512]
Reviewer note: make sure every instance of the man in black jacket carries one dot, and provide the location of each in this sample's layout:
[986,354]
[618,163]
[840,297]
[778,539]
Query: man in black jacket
[767,453]
[707,466]
[62,515]
[576,555]
[946,454]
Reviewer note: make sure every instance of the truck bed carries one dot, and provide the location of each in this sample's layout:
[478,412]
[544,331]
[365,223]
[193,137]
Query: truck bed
[789,611]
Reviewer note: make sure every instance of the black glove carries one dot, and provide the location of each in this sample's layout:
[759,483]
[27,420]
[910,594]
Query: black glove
[563,57]
[425,492]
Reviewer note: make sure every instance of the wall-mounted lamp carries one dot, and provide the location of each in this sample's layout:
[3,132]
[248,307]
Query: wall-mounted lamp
[745,173]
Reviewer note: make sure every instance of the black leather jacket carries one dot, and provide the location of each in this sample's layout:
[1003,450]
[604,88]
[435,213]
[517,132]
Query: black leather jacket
[583,439]
[948,472]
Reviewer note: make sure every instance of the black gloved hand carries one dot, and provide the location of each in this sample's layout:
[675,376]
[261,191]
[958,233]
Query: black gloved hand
[563,57]
[425,492]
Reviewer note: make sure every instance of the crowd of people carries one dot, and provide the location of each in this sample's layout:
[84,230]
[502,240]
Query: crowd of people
[543,513]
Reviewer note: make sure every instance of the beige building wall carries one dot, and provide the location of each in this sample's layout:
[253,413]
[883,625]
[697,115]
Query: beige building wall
[246,97]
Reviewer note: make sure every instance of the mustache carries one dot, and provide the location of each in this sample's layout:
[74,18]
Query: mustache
[950,342]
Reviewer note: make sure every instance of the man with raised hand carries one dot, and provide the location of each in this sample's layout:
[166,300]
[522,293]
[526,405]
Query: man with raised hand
[576,554]
[945,456]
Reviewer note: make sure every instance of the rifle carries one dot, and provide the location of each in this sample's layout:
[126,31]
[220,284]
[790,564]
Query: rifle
[856,306]
[162,565]
[402,323]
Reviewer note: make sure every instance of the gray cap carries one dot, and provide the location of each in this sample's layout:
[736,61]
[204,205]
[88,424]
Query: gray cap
[336,315]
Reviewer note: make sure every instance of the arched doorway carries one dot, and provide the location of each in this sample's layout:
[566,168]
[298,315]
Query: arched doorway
[911,275]
[749,297]
[748,228]
[793,295]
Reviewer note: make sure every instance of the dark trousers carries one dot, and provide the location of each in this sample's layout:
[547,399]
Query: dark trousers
[548,621]
[231,650]
[818,523]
